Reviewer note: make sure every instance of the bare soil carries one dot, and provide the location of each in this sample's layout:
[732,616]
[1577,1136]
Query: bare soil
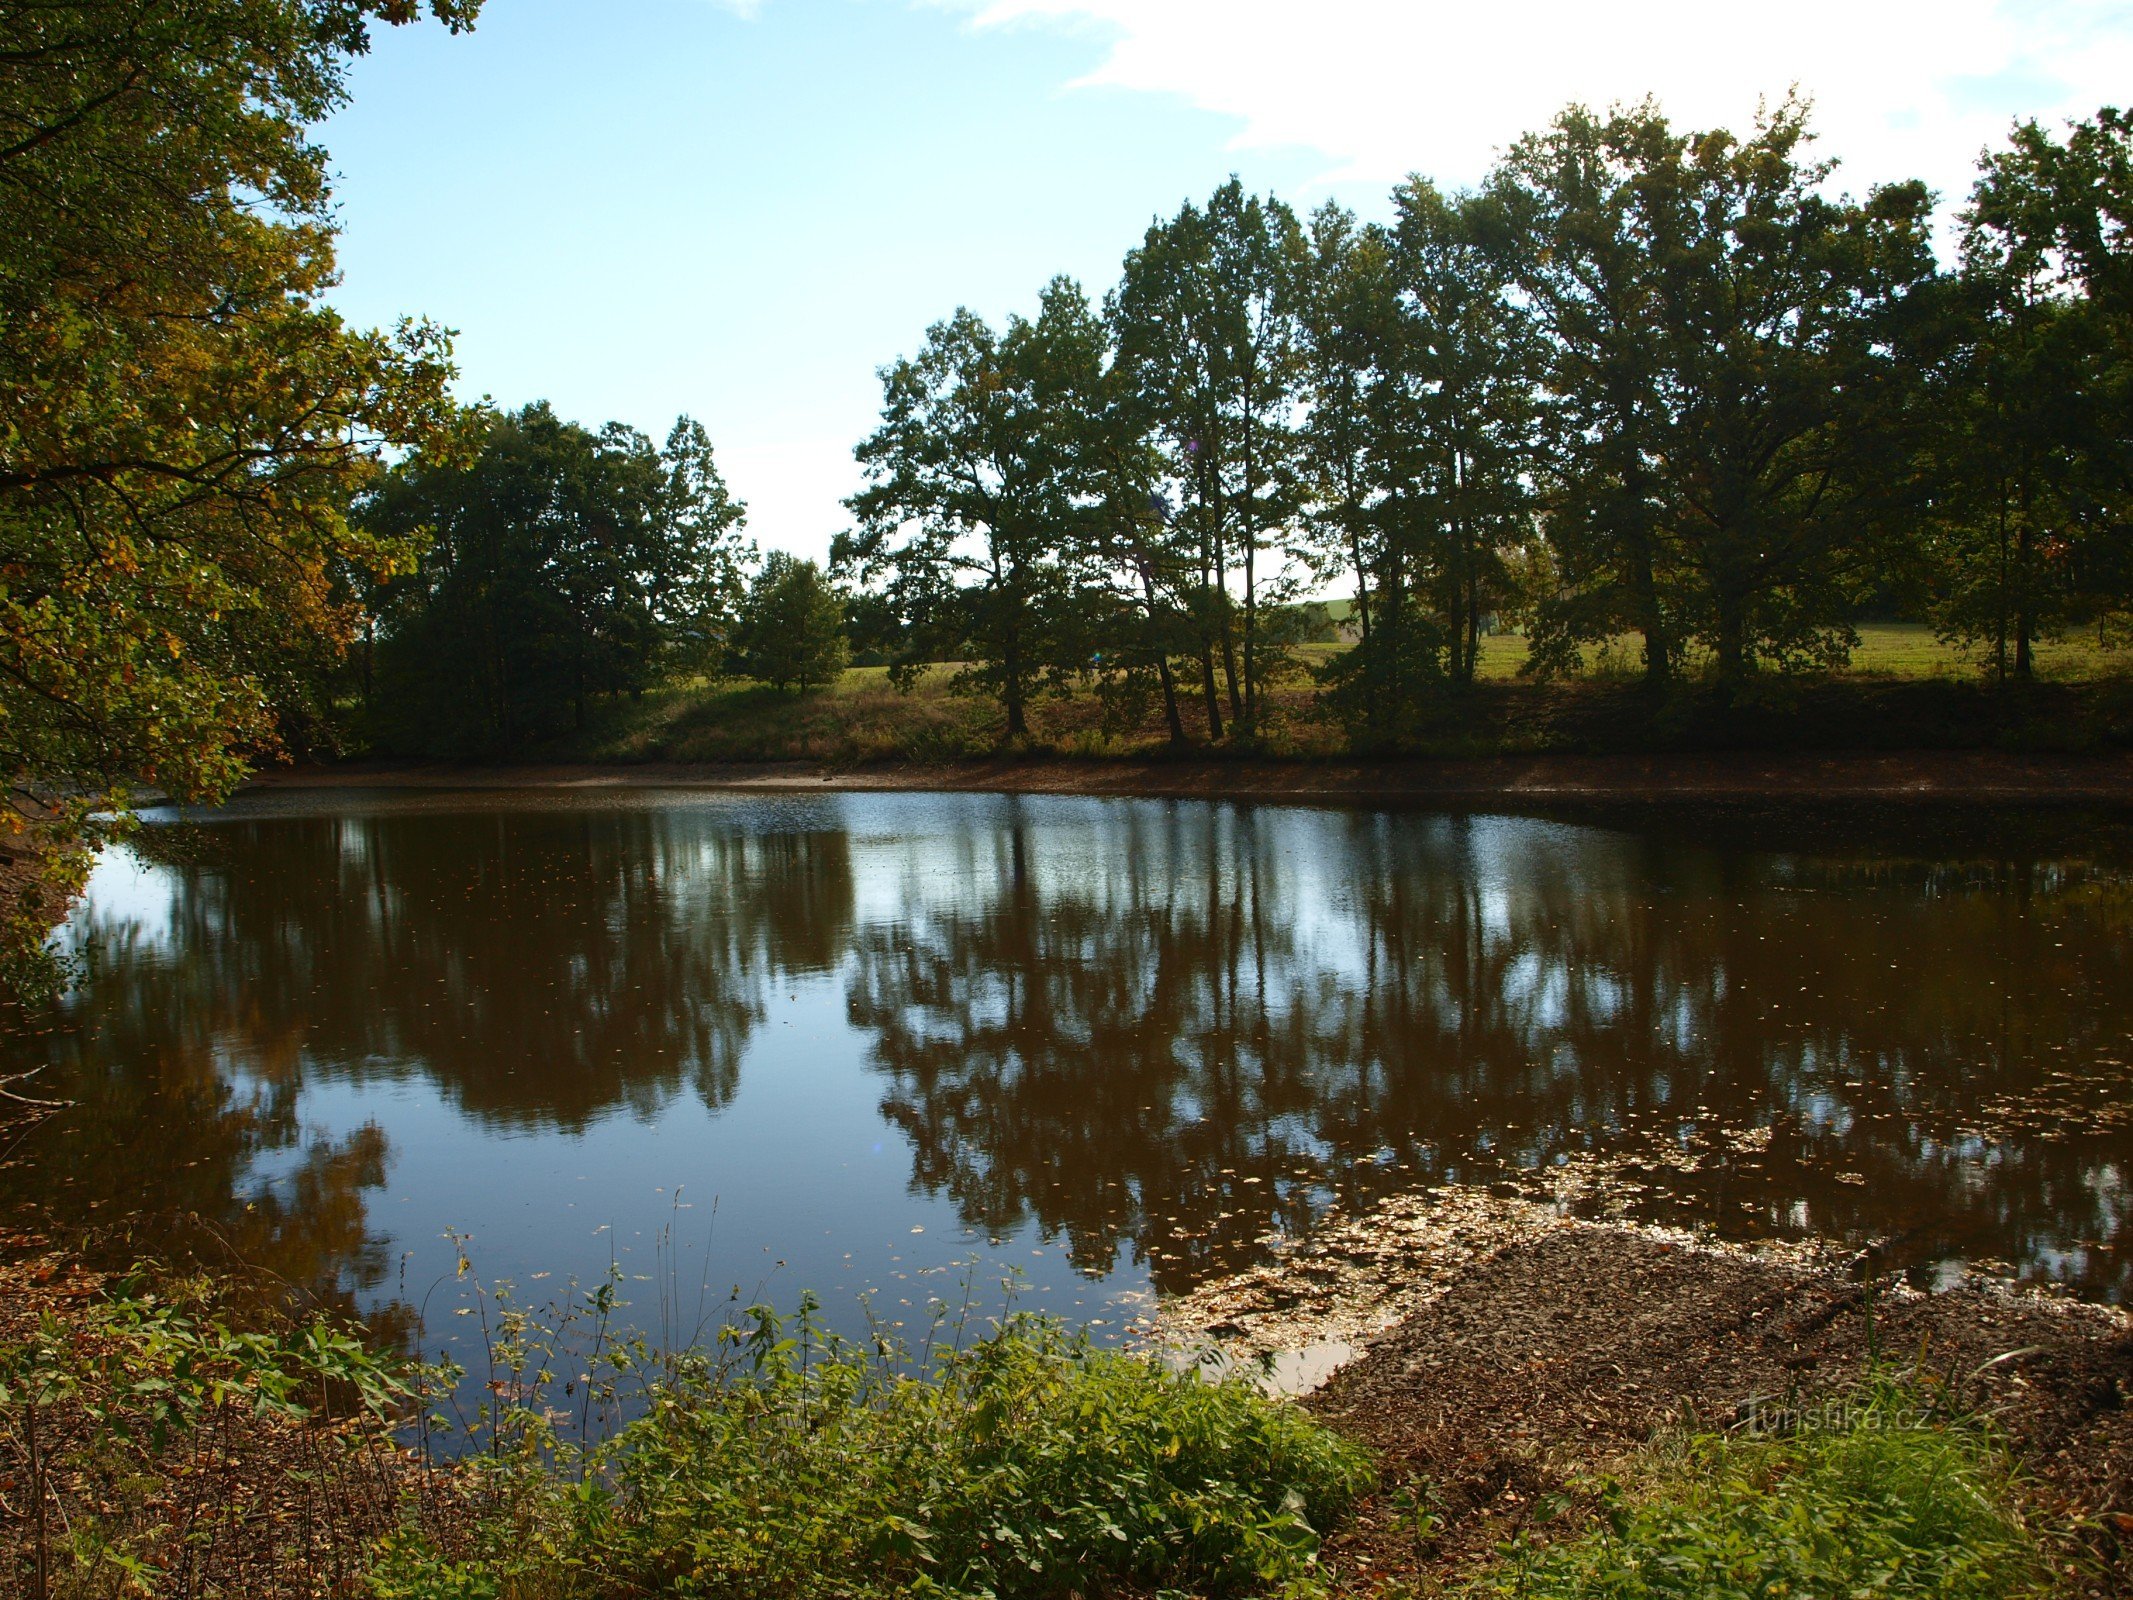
[1502,1354]
[1546,781]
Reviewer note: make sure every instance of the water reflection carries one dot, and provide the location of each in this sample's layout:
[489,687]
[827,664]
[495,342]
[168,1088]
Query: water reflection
[1157,1032]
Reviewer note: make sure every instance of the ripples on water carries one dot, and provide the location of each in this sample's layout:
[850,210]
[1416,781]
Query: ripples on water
[846,1042]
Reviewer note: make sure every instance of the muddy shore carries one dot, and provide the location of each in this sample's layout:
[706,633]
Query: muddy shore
[1496,1354]
[1545,781]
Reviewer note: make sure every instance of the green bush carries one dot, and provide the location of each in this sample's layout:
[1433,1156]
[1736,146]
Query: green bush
[1875,1496]
[1027,1465]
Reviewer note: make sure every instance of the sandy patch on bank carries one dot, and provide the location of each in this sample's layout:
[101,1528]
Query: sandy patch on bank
[1502,1352]
[1924,777]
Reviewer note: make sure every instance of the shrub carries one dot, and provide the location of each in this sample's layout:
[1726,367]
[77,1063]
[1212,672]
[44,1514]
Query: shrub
[1029,1464]
[148,1445]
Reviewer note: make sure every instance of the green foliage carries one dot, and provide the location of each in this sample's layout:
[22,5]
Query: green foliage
[1027,1464]
[1208,341]
[2035,400]
[1719,347]
[561,564]
[791,629]
[972,481]
[187,419]
[1878,1495]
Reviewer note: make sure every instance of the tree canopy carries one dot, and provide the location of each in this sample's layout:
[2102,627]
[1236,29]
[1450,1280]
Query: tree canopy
[187,421]
[790,633]
[184,421]
[1644,382]
[558,564]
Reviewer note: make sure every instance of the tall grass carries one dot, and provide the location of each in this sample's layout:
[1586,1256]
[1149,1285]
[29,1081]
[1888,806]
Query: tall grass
[786,1461]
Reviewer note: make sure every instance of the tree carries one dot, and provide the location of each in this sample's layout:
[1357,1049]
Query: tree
[1719,347]
[1346,312]
[1114,532]
[698,556]
[1162,320]
[1455,412]
[1207,316]
[972,483]
[561,564]
[791,630]
[1419,440]
[186,420]
[2037,470]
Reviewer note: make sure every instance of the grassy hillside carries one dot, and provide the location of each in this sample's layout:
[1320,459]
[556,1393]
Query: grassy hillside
[1904,689]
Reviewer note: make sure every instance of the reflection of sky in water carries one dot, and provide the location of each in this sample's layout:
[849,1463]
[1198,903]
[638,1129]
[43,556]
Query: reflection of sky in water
[126,894]
[1110,1043]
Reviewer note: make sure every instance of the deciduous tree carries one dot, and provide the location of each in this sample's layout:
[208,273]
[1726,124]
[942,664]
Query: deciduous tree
[791,629]
[186,419]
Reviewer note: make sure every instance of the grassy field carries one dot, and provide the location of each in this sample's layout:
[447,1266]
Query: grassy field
[1904,689]
[1886,650]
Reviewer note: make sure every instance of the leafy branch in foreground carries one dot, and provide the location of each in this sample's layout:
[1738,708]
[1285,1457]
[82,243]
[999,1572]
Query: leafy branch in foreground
[149,1444]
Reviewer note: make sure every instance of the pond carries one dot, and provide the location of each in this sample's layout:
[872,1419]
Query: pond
[883,1044]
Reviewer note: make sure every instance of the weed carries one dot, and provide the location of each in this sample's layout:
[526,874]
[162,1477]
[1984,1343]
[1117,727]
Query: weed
[784,1460]
[1888,1496]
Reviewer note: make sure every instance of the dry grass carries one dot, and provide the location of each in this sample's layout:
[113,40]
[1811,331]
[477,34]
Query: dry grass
[863,719]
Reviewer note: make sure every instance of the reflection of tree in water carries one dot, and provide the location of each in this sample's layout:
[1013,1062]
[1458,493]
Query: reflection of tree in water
[169,1150]
[540,968]
[1102,1056]
[1118,1050]
[1158,1029]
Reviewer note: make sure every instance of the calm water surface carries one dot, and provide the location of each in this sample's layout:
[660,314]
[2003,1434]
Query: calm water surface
[853,1043]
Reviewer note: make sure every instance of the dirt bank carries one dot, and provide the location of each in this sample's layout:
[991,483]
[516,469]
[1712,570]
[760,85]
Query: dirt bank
[1501,1352]
[1543,782]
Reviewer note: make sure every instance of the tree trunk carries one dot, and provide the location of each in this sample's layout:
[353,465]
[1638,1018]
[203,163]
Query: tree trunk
[1170,701]
[1250,722]
[1207,660]
[1011,693]
[1362,587]
[2025,615]
[1220,597]
[1162,664]
[1473,628]
[1658,654]
[1732,640]
[1229,662]
[1999,618]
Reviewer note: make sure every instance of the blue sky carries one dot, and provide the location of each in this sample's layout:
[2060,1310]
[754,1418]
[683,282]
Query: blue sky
[634,208]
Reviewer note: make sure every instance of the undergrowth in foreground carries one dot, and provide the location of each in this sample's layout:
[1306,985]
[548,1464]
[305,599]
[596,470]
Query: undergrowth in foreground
[1881,1494]
[792,1462]
[149,1447]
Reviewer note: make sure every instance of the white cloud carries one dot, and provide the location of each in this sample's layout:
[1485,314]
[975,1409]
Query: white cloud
[1386,87]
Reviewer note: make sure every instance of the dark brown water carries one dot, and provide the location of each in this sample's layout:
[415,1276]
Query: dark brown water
[852,1042]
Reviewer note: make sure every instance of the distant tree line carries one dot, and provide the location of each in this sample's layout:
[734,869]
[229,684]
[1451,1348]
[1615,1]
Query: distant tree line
[1640,384]
[560,565]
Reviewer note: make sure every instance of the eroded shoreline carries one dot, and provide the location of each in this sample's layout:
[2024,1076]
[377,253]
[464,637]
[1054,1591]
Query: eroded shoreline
[1497,1353]
[1923,778]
